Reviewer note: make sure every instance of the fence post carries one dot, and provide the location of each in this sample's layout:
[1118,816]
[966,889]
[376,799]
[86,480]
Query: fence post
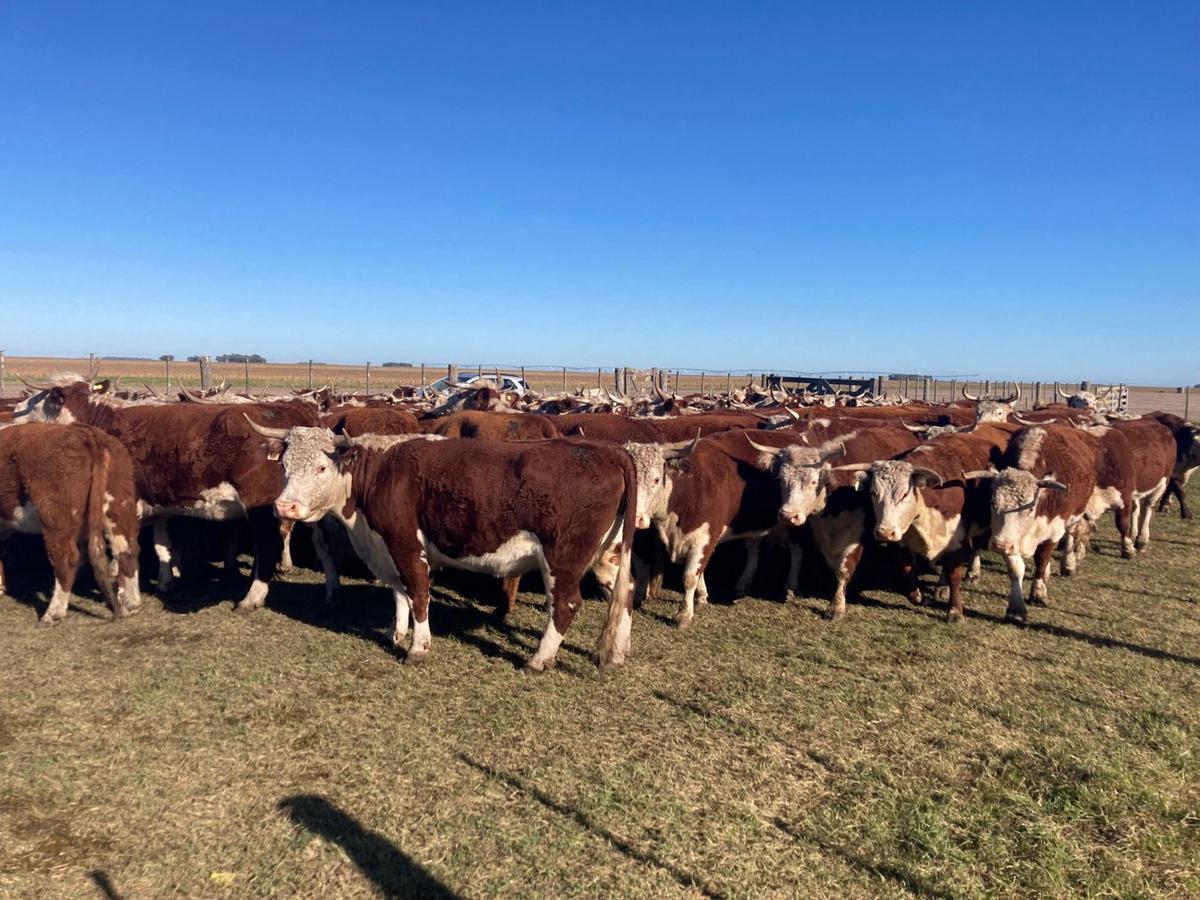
[925,389]
[91,362]
[1,373]
[523,374]
[246,373]
[564,378]
[452,374]
[310,382]
[205,373]
[368,378]
[617,380]
[598,376]
[167,361]
[702,383]
[1187,396]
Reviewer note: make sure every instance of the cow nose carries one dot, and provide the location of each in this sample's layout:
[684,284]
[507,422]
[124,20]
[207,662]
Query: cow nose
[791,518]
[642,522]
[287,509]
[885,534]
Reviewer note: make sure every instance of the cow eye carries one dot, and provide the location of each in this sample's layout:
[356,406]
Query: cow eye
[320,469]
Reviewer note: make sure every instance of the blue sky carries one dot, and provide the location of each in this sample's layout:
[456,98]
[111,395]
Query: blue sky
[1007,190]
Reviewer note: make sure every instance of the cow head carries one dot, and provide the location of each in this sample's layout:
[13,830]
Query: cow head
[62,401]
[1014,508]
[803,474]
[894,485]
[314,470]
[1189,453]
[1084,399]
[653,480]
[992,409]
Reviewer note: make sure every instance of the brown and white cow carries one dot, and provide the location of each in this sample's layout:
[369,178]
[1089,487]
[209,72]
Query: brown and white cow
[923,501]
[562,507]
[1044,488]
[74,486]
[358,420]
[200,460]
[825,497]
[1187,459]
[993,409]
[493,426]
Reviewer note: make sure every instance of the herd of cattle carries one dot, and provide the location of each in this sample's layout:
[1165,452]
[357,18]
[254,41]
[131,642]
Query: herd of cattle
[505,485]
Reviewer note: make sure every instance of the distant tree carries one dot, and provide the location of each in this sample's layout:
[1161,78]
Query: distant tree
[397,365]
[193,359]
[167,357]
[240,358]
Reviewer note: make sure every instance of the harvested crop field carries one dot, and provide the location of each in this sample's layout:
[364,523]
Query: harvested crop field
[762,752]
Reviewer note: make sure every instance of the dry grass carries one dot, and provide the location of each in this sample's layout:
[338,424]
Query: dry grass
[190,751]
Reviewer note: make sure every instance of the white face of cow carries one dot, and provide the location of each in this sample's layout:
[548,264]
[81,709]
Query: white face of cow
[314,482]
[653,483]
[1014,511]
[894,486]
[993,411]
[802,473]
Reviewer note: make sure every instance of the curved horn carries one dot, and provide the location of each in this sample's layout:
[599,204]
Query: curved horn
[853,467]
[1058,392]
[153,392]
[1015,397]
[35,386]
[94,370]
[195,398]
[1053,484]
[833,453]
[791,412]
[932,478]
[278,434]
[1021,421]
[967,396]
[762,448]
[980,473]
[915,429]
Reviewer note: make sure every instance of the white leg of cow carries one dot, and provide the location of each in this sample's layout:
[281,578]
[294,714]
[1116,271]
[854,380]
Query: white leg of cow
[256,597]
[795,561]
[1067,565]
[129,594]
[1143,525]
[58,604]
[748,571]
[547,651]
[1016,611]
[328,564]
[976,568]
[168,570]
[701,590]
[843,572]
[400,623]
[422,640]
[691,581]
[285,559]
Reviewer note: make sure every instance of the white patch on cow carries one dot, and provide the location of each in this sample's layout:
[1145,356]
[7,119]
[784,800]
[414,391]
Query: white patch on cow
[547,651]
[58,604]
[422,640]
[400,622]
[1030,448]
[836,537]
[519,554]
[25,519]
[931,534]
[255,597]
[1016,574]
[1102,500]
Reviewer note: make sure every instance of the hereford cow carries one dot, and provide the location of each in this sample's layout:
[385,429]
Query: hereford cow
[1187,459]
[563,507]
[74,486]
[494,426]
[923,501]
[1044,488]
[358,420]
[199,460]
[826,498]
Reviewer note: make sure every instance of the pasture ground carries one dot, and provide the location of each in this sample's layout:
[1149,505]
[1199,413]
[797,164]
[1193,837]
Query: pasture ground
[192,752]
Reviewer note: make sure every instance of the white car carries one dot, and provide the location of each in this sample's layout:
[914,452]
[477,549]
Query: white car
[507,383]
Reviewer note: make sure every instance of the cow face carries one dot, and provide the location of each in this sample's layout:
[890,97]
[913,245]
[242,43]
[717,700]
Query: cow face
[803,474]
[314,479]
[894,485]
[1014,510]
[989,410]
[653,480]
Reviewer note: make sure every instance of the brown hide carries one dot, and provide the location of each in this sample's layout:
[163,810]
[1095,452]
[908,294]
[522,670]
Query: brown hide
[494,426]
[358,420]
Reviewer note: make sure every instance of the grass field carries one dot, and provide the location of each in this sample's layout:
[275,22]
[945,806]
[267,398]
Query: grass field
[278,377]
[763,752]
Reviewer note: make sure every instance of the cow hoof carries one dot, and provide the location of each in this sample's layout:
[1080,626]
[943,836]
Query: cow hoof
[954,616]
[1187,515]
[44,622]
[1126,553]
[1013,618]
[607,665]
[683,620]
[415,657]
[834,614]
[535,666]
[1139,546]
[942,593]
[916,598]
[790,596]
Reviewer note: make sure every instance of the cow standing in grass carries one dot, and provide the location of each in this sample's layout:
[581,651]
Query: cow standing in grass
[562,507]
[73,485]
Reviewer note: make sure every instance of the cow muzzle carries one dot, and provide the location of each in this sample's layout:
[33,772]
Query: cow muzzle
[792,518]
[886,534]
[289,509]
[640,522]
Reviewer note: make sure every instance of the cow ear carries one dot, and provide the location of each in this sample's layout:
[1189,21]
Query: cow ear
[346,455]
[102,387]
[860,480]
[274,449]
[923,477]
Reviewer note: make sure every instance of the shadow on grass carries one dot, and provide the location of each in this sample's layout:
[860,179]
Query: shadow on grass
[390,869]
[644,857]
[104,885]
[895,874]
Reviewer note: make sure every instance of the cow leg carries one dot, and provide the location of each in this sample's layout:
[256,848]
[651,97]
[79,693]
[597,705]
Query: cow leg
[1185,511]
[1143,528]
[658,566]
[268,545]
[955,567]
[912,586]
[508,588]
[753,545]
[565,602]
[1067,546]
[795,562]
[1041,573]
[416,576]
[400,622]
[843,573]
[693,571]
[1017,611]
[1124,516]
[285,532]
[702,591]
[63,552]
[1,574]
[976,568]
[328,563]
[168,568]
[641,580]
[232,533]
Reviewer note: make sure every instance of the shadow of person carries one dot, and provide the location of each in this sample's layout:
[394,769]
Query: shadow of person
[388,867]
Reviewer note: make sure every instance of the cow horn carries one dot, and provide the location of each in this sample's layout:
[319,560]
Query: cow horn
[915,429]
[35,386]
[278,434]
[153,392]
[967,396]
[791,412]
[1021,421]
[1015,397]
[980,473]
[762,448]
[194,398]
[853,467]
[681,449]
[1053,484]
[1058,392]
[94,370]
[837,450]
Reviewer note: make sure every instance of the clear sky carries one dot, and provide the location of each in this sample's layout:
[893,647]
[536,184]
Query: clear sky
[1003,189]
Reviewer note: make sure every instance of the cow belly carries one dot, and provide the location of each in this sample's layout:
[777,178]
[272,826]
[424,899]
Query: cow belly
[1102,500]
[932,534]
[217,504]
[1041,530]
[519,554]
[1153,493]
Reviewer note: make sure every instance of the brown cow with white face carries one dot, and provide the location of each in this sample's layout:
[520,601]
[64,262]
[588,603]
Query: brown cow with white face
[993,409]
[563,507]
[74,486]
[1187,458]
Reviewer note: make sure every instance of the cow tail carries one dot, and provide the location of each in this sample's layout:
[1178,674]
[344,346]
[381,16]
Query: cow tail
[613,646]
[97,544]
